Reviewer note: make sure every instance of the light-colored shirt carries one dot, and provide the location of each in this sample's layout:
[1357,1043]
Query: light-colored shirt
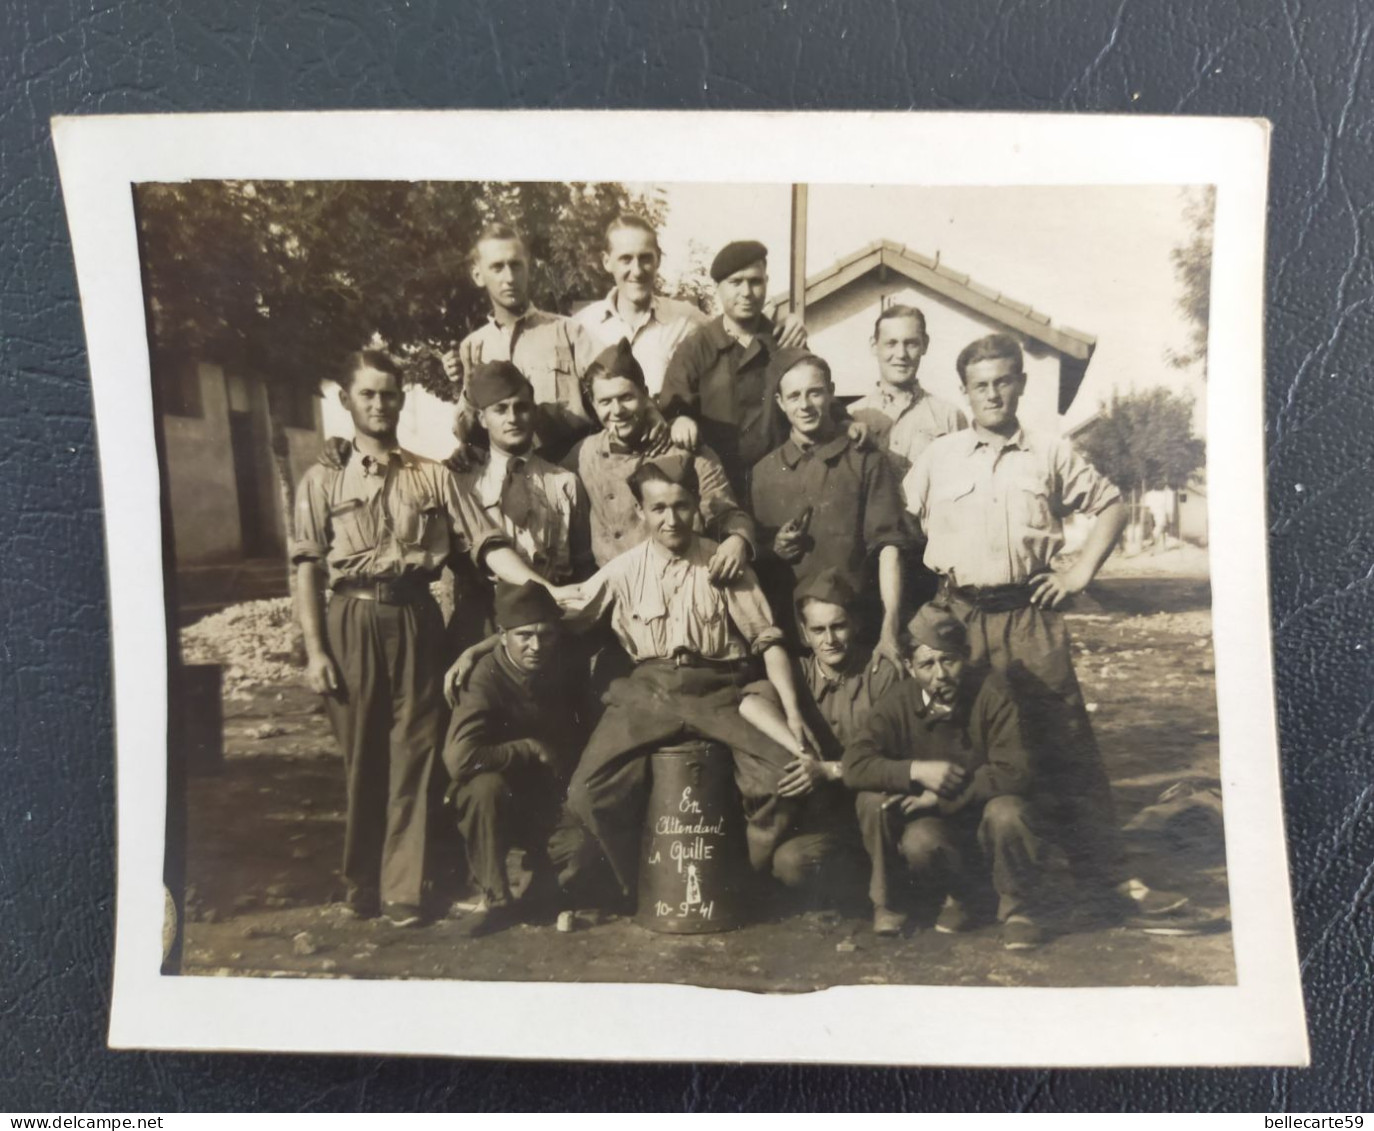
[992,507]
[552,352]
[604,465]
[653,337]
[385,519]
[903,422]
[663,603]
[539,505]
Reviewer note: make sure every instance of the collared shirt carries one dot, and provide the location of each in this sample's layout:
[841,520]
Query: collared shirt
[663,603]
[845,700]
[982,734]
[501,703]
[381,520]
[992,507]
[903,422]
[552,352]
[653,338]
[604,465]
[720,383]
[856,505]
[539,505]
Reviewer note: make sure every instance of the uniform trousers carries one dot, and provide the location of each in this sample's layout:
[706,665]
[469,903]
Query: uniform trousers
[1003,840]
[825,853]
[388,717]
[660,703]
[500,811]
[1030,648]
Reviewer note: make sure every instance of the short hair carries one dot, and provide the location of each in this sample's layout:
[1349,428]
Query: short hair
[650,472]
[367,359]
[995,347]
[598,372]
[627,221]
[815,363]
[496,230]
[900,310]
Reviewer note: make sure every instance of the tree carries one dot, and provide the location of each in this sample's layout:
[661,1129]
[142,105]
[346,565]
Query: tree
[284,279]
[1143,441]
[1193,268]
[694,283]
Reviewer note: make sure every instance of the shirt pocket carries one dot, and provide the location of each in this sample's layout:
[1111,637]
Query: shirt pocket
[351,528]
[1030,504]
[950,504]
[415,513]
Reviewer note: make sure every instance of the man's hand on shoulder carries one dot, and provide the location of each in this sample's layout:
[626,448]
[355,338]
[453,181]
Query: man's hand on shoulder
[685,434]
[335,453]
[791,330]
[729,561]
[465,457]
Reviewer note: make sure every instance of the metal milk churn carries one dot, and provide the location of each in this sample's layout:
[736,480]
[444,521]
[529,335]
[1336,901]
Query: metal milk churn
[694,868]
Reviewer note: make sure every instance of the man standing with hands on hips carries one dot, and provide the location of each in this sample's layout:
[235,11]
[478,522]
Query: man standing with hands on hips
[990,500]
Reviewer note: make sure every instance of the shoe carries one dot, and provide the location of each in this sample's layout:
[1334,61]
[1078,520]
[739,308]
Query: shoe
[489,920]
[887,923]
[403,915]
[1020,933]
[361,904]
[954,917]
[1145,900]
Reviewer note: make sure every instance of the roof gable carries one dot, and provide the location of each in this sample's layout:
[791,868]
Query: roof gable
[945,281]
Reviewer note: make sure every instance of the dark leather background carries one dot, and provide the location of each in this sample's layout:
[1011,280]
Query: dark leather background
[1303,65]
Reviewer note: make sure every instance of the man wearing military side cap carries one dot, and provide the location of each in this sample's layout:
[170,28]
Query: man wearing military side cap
[714,389]
[949,798]
[511,746]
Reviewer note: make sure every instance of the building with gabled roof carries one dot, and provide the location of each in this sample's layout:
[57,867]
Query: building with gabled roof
[843,300]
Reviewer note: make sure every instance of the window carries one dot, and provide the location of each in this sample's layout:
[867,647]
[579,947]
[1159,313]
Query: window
[177,382]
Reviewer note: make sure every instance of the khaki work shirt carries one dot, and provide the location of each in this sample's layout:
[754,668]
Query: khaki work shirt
[663,603]
[552,352]
[903,422]
[540,507]
[653,338]
[380,520]
[992,508]
[604,465]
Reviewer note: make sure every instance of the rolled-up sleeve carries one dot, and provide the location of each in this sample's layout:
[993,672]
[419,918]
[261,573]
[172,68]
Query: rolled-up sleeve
[1082,488]
[885,521]
[749,609]
[916,489]
[720,510]
[473,532]
[587,602]
[310,542]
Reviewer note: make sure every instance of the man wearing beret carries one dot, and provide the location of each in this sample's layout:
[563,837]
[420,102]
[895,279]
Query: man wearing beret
[605,460]
[377,531]
[823,502]
[947,792]
[549,349]
[838,688]
[539,505]
[511,746]
[990,501]
[714,389]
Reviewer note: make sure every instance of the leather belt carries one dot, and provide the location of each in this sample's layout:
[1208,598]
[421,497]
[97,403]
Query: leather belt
[682,658]
[395,591]
[988,598]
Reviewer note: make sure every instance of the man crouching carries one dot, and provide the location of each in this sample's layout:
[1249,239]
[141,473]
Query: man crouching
[512,743]
[947,783]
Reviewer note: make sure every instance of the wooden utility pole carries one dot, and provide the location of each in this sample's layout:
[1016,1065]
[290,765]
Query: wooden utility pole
[797,262]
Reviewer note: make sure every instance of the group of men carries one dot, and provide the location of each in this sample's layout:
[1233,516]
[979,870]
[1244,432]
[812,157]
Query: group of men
[662,525]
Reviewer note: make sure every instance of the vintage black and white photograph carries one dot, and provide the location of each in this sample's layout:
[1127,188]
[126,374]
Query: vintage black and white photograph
[766,585]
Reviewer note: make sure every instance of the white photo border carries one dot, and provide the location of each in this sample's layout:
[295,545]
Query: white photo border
[1258,1021]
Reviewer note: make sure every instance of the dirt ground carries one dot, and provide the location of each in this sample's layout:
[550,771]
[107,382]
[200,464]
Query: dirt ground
[264,838]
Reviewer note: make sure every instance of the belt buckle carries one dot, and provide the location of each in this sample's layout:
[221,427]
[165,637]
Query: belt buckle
[386,592]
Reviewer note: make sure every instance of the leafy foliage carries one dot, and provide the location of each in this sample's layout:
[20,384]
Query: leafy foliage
[1193,267]
[287,278]
[1143,441]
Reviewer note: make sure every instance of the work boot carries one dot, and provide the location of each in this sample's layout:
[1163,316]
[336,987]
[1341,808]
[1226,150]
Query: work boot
[954,918]
[489,920]
[1021,933]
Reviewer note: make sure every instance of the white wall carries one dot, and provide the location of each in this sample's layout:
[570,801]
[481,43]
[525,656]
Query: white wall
[841,325]
[426,421]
